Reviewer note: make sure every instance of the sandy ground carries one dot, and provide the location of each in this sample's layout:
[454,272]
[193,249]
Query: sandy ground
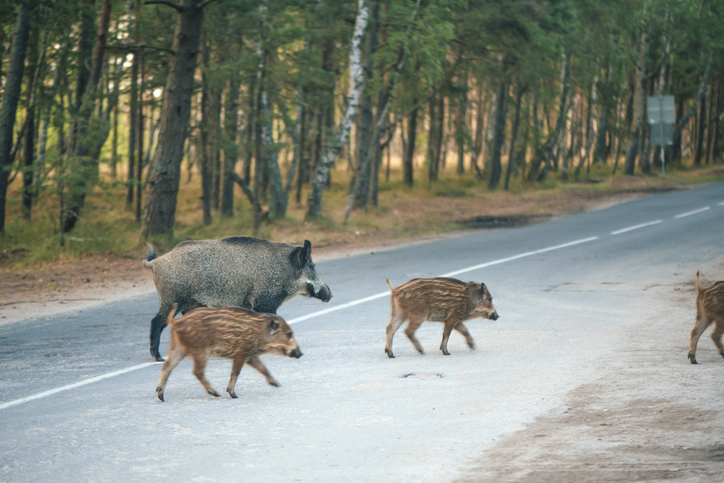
[650,416]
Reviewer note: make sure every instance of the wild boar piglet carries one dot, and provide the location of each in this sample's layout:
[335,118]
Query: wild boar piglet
[235,333]
[440,299]
[709,308]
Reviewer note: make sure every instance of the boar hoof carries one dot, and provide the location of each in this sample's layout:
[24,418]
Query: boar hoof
[214,393]
[155,354]
[692,358]
[159,391]
[419,349]
[274,383]
[445,352]
[389,353]
[232,394]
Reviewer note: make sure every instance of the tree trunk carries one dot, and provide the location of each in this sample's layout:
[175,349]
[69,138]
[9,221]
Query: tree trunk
[499,136]
[699,153]
[547,150]
[231,120]
[204,147]
[83,166]
[371,156]
[479,133]
[11,96]
[332,149]
[461,133]
[700,95]
[139,141]
[635,145]
[215,146]
[361,180]
[160,208]
[434,143]
[589,133]
[600,153]
[409,161]
[132,129]
[29,142]
[514,134]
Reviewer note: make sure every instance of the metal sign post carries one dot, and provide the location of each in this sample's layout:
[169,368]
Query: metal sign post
[662,116]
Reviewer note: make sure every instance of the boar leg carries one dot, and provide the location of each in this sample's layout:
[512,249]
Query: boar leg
[199,369]
[396,321]
[157,325]
[716,335]
[257,364]
[236,365]
[464,331]
[451,321]
[702,322]
[412,326]
[174,357]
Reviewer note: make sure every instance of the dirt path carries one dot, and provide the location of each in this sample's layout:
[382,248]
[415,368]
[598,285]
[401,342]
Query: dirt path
[651,416]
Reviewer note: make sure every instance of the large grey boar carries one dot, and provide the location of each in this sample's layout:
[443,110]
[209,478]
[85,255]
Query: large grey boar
[236,271]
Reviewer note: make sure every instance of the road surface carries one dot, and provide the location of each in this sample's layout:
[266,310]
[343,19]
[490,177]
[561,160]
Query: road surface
[584,376]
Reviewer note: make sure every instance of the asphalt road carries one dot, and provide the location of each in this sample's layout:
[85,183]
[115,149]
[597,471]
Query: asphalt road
[77,399]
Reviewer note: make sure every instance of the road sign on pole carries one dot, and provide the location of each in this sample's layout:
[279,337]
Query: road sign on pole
[662,116]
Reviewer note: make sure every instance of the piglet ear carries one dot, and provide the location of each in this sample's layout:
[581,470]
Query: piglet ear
[273,327]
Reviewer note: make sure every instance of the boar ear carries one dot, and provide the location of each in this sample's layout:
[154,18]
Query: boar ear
[273,327]
[300,256]
[307,250]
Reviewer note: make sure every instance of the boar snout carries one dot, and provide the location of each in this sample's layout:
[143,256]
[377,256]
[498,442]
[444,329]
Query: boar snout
[494,316]
[323,293]
[296,353]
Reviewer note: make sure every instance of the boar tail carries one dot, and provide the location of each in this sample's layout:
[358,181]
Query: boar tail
[151,254]
[392,289]
[698,285]
[171,315]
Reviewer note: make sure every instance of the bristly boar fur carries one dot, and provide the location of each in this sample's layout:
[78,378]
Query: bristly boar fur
[235,271]
[709,308]
[235,333]
[439,299]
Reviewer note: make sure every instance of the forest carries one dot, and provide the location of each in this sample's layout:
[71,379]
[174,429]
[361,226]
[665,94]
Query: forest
[272,103]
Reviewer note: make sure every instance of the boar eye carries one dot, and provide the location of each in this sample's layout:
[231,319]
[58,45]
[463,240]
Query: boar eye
[289,335]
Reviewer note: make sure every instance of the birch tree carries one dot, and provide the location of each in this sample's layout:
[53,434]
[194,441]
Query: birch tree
[332,149]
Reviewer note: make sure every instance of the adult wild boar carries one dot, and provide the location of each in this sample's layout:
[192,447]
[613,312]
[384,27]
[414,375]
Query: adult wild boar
[236,271]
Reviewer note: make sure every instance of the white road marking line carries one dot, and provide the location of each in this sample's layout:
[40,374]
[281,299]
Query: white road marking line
[84,382]
[292,321]
[522,255]
[693,212]
[635,227]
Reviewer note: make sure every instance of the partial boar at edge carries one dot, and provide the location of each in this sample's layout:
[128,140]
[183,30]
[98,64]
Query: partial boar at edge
[236,271]
[440,299]
[709,308]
